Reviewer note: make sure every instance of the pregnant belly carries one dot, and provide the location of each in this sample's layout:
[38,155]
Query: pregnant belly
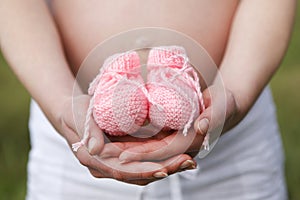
[84,24]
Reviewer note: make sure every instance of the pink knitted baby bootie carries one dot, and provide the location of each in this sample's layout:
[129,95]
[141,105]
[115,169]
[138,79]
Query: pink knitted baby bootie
[119,104]
[174,86]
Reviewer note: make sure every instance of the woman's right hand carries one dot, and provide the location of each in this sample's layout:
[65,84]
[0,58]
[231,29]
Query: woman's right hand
[72,120]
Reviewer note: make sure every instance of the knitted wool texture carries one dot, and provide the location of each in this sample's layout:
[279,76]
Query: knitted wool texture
[121,102]
[174,85]
[120,106]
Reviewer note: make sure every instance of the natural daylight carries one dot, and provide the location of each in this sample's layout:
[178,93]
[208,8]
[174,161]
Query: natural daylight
[35,36]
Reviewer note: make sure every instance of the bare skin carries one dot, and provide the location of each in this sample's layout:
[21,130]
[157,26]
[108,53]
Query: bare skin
[207,22]
[246,39]
[76,19]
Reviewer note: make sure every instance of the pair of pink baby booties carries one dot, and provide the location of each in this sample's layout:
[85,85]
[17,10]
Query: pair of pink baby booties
[171,99]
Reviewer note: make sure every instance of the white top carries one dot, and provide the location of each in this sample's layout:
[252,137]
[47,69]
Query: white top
[246,163]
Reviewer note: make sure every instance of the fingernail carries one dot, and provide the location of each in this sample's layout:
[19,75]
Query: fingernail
[91,144]
[123,158]
[187,164]
[203,125]
[123,161]
[160,175]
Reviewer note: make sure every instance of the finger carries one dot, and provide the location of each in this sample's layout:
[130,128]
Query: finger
[141,182]
[201,125]
[214,116]
[114,149]
[96,173]
[95,143]
[136,137]
[131,171]
[171,145]
[179,163]
[126,138]
[172,165]
[85,125]
[132,180]
[70,134]
[112,168]
[95,140]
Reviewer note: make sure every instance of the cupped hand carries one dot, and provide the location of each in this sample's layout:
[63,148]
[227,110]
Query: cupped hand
[72,126]
[159,147]
[220,115]
[73,120]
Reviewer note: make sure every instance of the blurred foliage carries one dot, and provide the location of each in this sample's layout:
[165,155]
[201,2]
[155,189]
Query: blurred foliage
[286,90]
[14,140]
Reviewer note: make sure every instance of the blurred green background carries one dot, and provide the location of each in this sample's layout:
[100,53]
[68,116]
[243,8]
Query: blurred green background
[14,139]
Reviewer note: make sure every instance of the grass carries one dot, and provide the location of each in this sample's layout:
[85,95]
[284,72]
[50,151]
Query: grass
[287,97]
[285,85]
[14,140]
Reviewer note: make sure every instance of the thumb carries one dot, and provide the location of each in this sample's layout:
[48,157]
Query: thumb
[201,125]
[95,142]
[213,118]
[92,136]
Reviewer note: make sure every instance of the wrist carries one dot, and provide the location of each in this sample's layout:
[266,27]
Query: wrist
[56,104]
[234,111]
[54,109]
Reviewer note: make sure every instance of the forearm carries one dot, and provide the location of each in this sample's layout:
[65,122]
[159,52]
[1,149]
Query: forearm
[31,45]
[258,40]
